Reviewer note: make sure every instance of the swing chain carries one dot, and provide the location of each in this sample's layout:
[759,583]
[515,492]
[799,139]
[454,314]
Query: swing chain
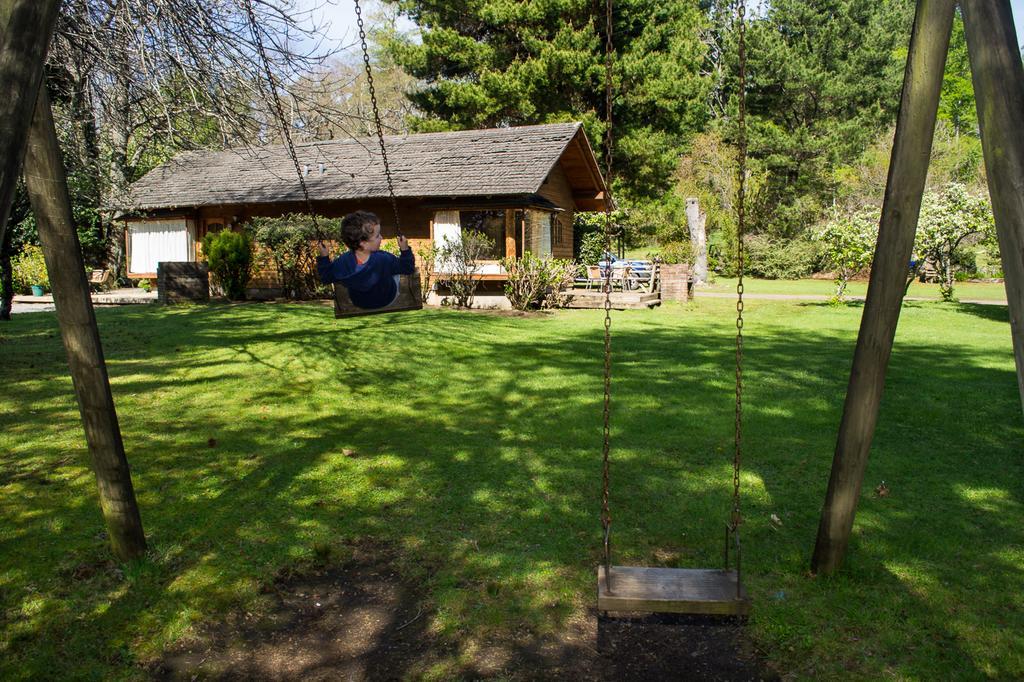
[736,518]
[606,516]
[282,121]
[376,116]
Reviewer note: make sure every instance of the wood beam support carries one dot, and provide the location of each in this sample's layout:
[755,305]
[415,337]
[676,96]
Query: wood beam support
[908,169]
[510,233]
[26,28]
[999,92]
[48,192]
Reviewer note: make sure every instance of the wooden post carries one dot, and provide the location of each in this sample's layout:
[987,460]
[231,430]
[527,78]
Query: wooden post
[697,220]
[999,92]
[26,27]
[48,192]
[510,233]
[908,168]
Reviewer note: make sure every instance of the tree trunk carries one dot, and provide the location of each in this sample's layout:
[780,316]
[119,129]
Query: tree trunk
[48,191]
[697,220]
[6,278]
[915,129]
[118,190]
[27,27]
[998,79]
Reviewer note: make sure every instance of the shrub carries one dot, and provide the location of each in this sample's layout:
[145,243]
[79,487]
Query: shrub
[458,261]
[527,278]
[290,244]
[28,268]
[426,255]
[537,283]
[774,258]
[848,240]
[675,253]
[949,217]
[591,247]
[229,255]
[561,275]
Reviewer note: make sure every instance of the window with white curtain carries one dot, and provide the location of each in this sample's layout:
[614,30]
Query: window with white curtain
[155,241]
[538,233]
[446,228]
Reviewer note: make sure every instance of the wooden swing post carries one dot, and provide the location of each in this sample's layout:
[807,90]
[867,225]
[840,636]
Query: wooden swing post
[908,169]
[48,191]
[26,27]
[999,92]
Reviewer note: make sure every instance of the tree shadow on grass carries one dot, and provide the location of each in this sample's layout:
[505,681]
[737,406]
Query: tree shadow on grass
[474,451]
[994,313]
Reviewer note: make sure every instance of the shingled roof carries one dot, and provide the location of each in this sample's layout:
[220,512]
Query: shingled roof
[497,161]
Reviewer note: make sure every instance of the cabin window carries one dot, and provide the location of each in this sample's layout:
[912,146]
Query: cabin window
[490,223]
[155,241]
[557,235]
[538,233]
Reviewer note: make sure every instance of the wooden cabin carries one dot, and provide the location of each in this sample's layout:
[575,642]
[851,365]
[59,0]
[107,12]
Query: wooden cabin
[521,186]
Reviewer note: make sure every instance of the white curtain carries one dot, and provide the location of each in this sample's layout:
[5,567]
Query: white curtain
[158,240]
[446,227]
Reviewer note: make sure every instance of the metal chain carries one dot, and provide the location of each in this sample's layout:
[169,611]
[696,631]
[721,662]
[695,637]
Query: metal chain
[606,515]
[254,28]
[737,519]
[376,116]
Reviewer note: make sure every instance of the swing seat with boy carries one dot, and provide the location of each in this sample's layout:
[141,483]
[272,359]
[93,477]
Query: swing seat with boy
[365,278]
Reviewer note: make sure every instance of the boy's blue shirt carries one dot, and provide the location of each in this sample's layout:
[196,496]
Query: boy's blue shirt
[372,285]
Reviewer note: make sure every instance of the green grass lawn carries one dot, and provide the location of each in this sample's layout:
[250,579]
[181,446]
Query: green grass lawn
[478,441]
[966,291]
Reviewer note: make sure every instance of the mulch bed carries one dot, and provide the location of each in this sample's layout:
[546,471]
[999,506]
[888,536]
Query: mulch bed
[363,621]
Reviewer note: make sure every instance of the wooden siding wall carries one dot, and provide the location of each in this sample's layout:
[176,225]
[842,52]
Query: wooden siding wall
[556,189]
[415,222]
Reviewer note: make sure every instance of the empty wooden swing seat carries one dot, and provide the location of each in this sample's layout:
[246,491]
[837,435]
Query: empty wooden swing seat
[409,298]
[693,591]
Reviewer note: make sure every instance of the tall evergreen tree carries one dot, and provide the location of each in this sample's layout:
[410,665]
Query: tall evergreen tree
[486,63]
[825,78]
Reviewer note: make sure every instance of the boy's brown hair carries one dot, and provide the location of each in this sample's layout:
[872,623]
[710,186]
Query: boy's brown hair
[357,227]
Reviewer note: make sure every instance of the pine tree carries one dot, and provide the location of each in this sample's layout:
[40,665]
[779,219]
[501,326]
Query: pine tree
[825,79]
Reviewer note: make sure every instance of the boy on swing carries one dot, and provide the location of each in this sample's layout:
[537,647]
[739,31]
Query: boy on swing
[370,275]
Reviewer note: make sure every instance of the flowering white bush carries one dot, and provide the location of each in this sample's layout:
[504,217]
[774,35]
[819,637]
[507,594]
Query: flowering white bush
[948,217]
[849,244]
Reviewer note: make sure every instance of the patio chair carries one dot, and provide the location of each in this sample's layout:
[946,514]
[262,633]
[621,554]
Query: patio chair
[101,279]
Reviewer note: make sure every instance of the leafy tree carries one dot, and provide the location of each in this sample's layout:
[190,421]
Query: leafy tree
[824,79]
[948,218]
[956,101]
[848,240]
[136,81]
[486,63]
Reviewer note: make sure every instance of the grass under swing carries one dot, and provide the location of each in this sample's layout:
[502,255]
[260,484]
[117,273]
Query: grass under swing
[264,436]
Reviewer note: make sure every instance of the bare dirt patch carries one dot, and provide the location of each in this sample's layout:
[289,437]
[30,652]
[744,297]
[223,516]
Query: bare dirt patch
[364,621]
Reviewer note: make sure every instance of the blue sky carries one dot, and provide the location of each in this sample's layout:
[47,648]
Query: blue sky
[341,16]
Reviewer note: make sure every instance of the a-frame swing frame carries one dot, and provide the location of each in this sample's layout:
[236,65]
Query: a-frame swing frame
[998,78]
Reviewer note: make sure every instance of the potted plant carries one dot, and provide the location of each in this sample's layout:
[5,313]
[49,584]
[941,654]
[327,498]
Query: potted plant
[29,271]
